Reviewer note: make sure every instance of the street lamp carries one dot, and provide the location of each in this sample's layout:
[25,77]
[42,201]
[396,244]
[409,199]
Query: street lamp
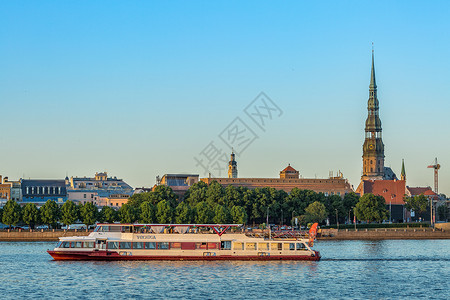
[337,220]
[355,217]
[390,211]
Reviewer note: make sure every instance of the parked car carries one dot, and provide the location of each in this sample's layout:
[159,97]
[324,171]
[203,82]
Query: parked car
[42,227]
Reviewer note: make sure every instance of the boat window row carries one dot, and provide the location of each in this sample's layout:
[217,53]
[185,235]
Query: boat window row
[75,244]
[269,246]
[164,245]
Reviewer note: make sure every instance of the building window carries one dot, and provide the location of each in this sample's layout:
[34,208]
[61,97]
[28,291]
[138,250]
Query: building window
[84,195]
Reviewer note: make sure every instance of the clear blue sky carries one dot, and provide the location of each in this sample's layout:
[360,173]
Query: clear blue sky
[139,88]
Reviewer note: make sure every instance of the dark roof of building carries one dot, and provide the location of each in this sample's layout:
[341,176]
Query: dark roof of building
[43,182]
[392,190]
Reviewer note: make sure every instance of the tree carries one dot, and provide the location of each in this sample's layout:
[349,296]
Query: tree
[196,193]
[30,214]
[147,213]
[127,214]
[418,203]
[443,212]
[164,212]
[204,215]
[315,212]
[371,208]
[221,215]
[11,213]
[183,213]
[163,192]
[215,194]
[50,213]
[88,213]
[69,212]
[238,215]
[108,214]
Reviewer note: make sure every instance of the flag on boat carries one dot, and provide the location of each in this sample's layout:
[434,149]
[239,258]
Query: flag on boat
[312,234]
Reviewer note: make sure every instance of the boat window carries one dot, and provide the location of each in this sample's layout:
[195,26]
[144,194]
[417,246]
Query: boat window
[280,246]
[65,245]
[78,245]
[127,229]
[88,244]
[238,246]
[263,246]
[300,246]
[113,245]
[291,246]
[212,245]
[138,245]
[225,245]
[163,245]
[150,245]
[274,246]
[112,228]
[175,245]
[250,246]
[59,245]
[125,245]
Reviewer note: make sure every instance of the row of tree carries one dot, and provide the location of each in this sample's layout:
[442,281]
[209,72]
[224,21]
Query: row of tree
[51,213]
[213,203]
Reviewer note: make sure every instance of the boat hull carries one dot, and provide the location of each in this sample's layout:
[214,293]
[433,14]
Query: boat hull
[111,255]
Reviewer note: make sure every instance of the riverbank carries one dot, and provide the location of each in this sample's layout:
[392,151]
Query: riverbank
[325,234]
[38,235]
[385,234]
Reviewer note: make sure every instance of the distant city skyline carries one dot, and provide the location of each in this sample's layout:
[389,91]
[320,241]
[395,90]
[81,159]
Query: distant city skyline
[139,89]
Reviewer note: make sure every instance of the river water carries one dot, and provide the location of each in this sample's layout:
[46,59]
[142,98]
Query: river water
[393,269]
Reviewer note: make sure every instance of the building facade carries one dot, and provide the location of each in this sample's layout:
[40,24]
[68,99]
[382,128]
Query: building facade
[96,189]
[179,183]
[289,179]
[40,190]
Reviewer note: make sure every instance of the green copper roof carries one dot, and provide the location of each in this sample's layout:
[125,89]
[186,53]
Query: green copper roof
[373,84]
[403,168]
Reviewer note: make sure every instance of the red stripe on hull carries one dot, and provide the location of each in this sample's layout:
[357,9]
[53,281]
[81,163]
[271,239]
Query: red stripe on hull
[109,255]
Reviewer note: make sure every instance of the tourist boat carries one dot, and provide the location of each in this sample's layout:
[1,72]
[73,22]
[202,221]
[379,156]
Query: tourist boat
[186,242]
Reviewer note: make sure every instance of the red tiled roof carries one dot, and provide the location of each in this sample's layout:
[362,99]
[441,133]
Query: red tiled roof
[427,191]
[289,169]
[393,191]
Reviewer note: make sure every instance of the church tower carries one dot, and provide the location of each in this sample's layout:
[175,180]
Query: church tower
[373,148]
[232,167]
[403,175]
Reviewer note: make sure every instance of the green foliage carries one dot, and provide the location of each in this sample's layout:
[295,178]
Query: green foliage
[30,214]
[315,212]
[196,193]
[147,213]
[215,194]
[69,213]
[128,214]
[164,212]
[443,212]
[11,213]
[371,208]
[183,214]
[418,203]
[221,215]
[108,214]
[204,215]
[50,213]
[163,192]
[238,215]
[88,213]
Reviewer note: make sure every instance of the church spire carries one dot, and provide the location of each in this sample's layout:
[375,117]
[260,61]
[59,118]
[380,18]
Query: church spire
[403,175]
[373,148]
[373,83]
